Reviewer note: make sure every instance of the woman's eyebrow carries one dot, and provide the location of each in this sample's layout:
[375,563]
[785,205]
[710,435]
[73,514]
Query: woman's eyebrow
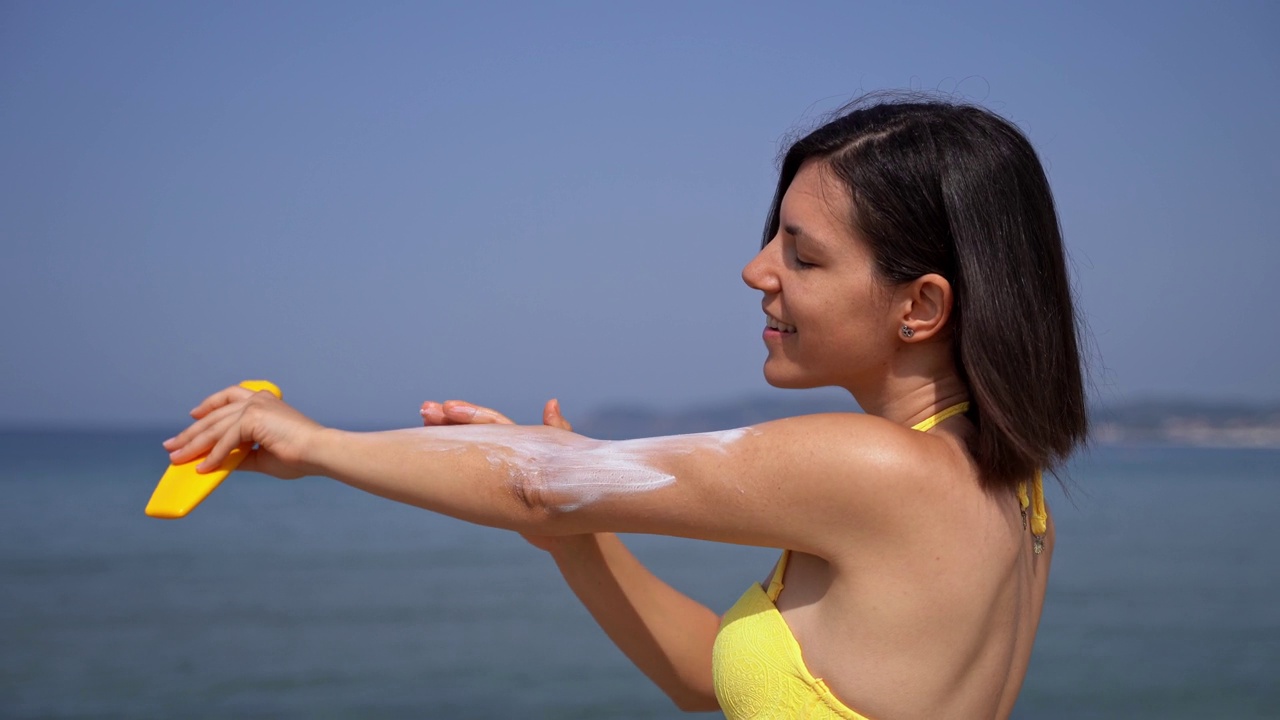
[798,232]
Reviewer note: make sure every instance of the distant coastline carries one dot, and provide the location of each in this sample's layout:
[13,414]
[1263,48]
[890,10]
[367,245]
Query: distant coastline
[1137,423]
[1175,423]
[1188,424]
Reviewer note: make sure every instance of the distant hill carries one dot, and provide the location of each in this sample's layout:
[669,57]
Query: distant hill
[1144,422]
[1188,423]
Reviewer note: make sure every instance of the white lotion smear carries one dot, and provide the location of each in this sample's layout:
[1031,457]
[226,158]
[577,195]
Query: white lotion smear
[569,471]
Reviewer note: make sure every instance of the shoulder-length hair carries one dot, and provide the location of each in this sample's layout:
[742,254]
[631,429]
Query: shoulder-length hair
[953,189]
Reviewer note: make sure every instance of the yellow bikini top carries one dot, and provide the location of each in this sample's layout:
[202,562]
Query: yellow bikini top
[756,664]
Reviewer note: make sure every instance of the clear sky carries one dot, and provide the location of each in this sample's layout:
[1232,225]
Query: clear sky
[379,203]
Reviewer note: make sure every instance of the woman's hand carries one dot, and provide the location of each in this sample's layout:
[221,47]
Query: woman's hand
[458,412]
[238,417]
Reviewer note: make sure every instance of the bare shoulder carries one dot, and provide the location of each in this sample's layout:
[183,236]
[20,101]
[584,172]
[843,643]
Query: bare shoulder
[866,452]
[818,483]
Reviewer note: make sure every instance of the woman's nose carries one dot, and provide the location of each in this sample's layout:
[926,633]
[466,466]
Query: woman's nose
[759,274]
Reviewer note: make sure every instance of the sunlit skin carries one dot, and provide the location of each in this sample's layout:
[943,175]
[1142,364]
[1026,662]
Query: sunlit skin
[913,592]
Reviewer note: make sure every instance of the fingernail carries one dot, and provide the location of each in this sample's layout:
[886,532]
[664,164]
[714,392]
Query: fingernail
[463,411]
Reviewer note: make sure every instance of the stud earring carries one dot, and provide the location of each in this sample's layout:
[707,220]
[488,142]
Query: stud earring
[907,332]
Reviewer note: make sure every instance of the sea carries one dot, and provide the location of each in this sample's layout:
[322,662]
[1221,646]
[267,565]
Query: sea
[307,599]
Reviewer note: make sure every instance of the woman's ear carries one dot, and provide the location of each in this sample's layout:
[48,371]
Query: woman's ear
[925,305]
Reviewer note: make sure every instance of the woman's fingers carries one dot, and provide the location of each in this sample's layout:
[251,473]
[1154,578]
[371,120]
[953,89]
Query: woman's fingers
[230,427]
[460,412]
[230,440]
[205,414]
[432,413]
[220,399]
[552,416]
[199,435]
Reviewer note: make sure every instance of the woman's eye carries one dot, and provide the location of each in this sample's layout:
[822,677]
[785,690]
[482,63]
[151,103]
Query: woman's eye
[793,250]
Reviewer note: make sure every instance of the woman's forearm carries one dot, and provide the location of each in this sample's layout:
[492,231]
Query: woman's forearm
[422,468]
[667,634]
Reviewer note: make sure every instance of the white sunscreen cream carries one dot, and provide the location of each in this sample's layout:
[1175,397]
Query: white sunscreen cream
[566,471]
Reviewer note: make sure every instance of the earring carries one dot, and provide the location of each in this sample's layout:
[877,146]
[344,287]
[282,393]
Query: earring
[907,332]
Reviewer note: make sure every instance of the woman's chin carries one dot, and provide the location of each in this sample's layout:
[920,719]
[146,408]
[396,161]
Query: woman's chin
[784,379]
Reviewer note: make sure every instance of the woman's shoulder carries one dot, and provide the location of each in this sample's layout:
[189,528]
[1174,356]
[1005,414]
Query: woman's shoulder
[897,487]
[865,460]
[866,442]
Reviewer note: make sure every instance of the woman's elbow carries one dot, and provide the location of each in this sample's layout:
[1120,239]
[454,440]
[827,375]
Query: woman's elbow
[535,509]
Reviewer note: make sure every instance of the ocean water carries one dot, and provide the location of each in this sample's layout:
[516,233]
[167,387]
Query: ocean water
[307,599]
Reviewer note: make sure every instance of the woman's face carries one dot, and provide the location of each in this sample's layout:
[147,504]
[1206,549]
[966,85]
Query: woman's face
[828,319]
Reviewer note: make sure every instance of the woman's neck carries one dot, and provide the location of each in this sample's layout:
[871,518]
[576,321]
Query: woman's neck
[920,384]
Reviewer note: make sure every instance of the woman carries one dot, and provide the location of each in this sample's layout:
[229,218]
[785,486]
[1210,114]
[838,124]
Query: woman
[912,256]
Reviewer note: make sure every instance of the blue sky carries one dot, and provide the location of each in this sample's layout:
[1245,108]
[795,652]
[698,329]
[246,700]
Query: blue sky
[375,204]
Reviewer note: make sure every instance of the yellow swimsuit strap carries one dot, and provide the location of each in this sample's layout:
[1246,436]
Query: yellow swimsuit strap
[1039,516]
[932,421]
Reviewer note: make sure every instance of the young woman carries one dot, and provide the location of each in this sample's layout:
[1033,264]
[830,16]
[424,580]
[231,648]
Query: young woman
[911,256]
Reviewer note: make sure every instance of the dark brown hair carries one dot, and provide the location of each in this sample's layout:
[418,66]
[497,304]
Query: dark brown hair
[953,189]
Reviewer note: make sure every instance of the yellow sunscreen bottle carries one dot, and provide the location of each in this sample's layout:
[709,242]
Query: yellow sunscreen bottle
[182,488]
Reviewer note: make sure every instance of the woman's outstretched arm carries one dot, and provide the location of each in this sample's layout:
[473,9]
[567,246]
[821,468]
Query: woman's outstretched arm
[822,485]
